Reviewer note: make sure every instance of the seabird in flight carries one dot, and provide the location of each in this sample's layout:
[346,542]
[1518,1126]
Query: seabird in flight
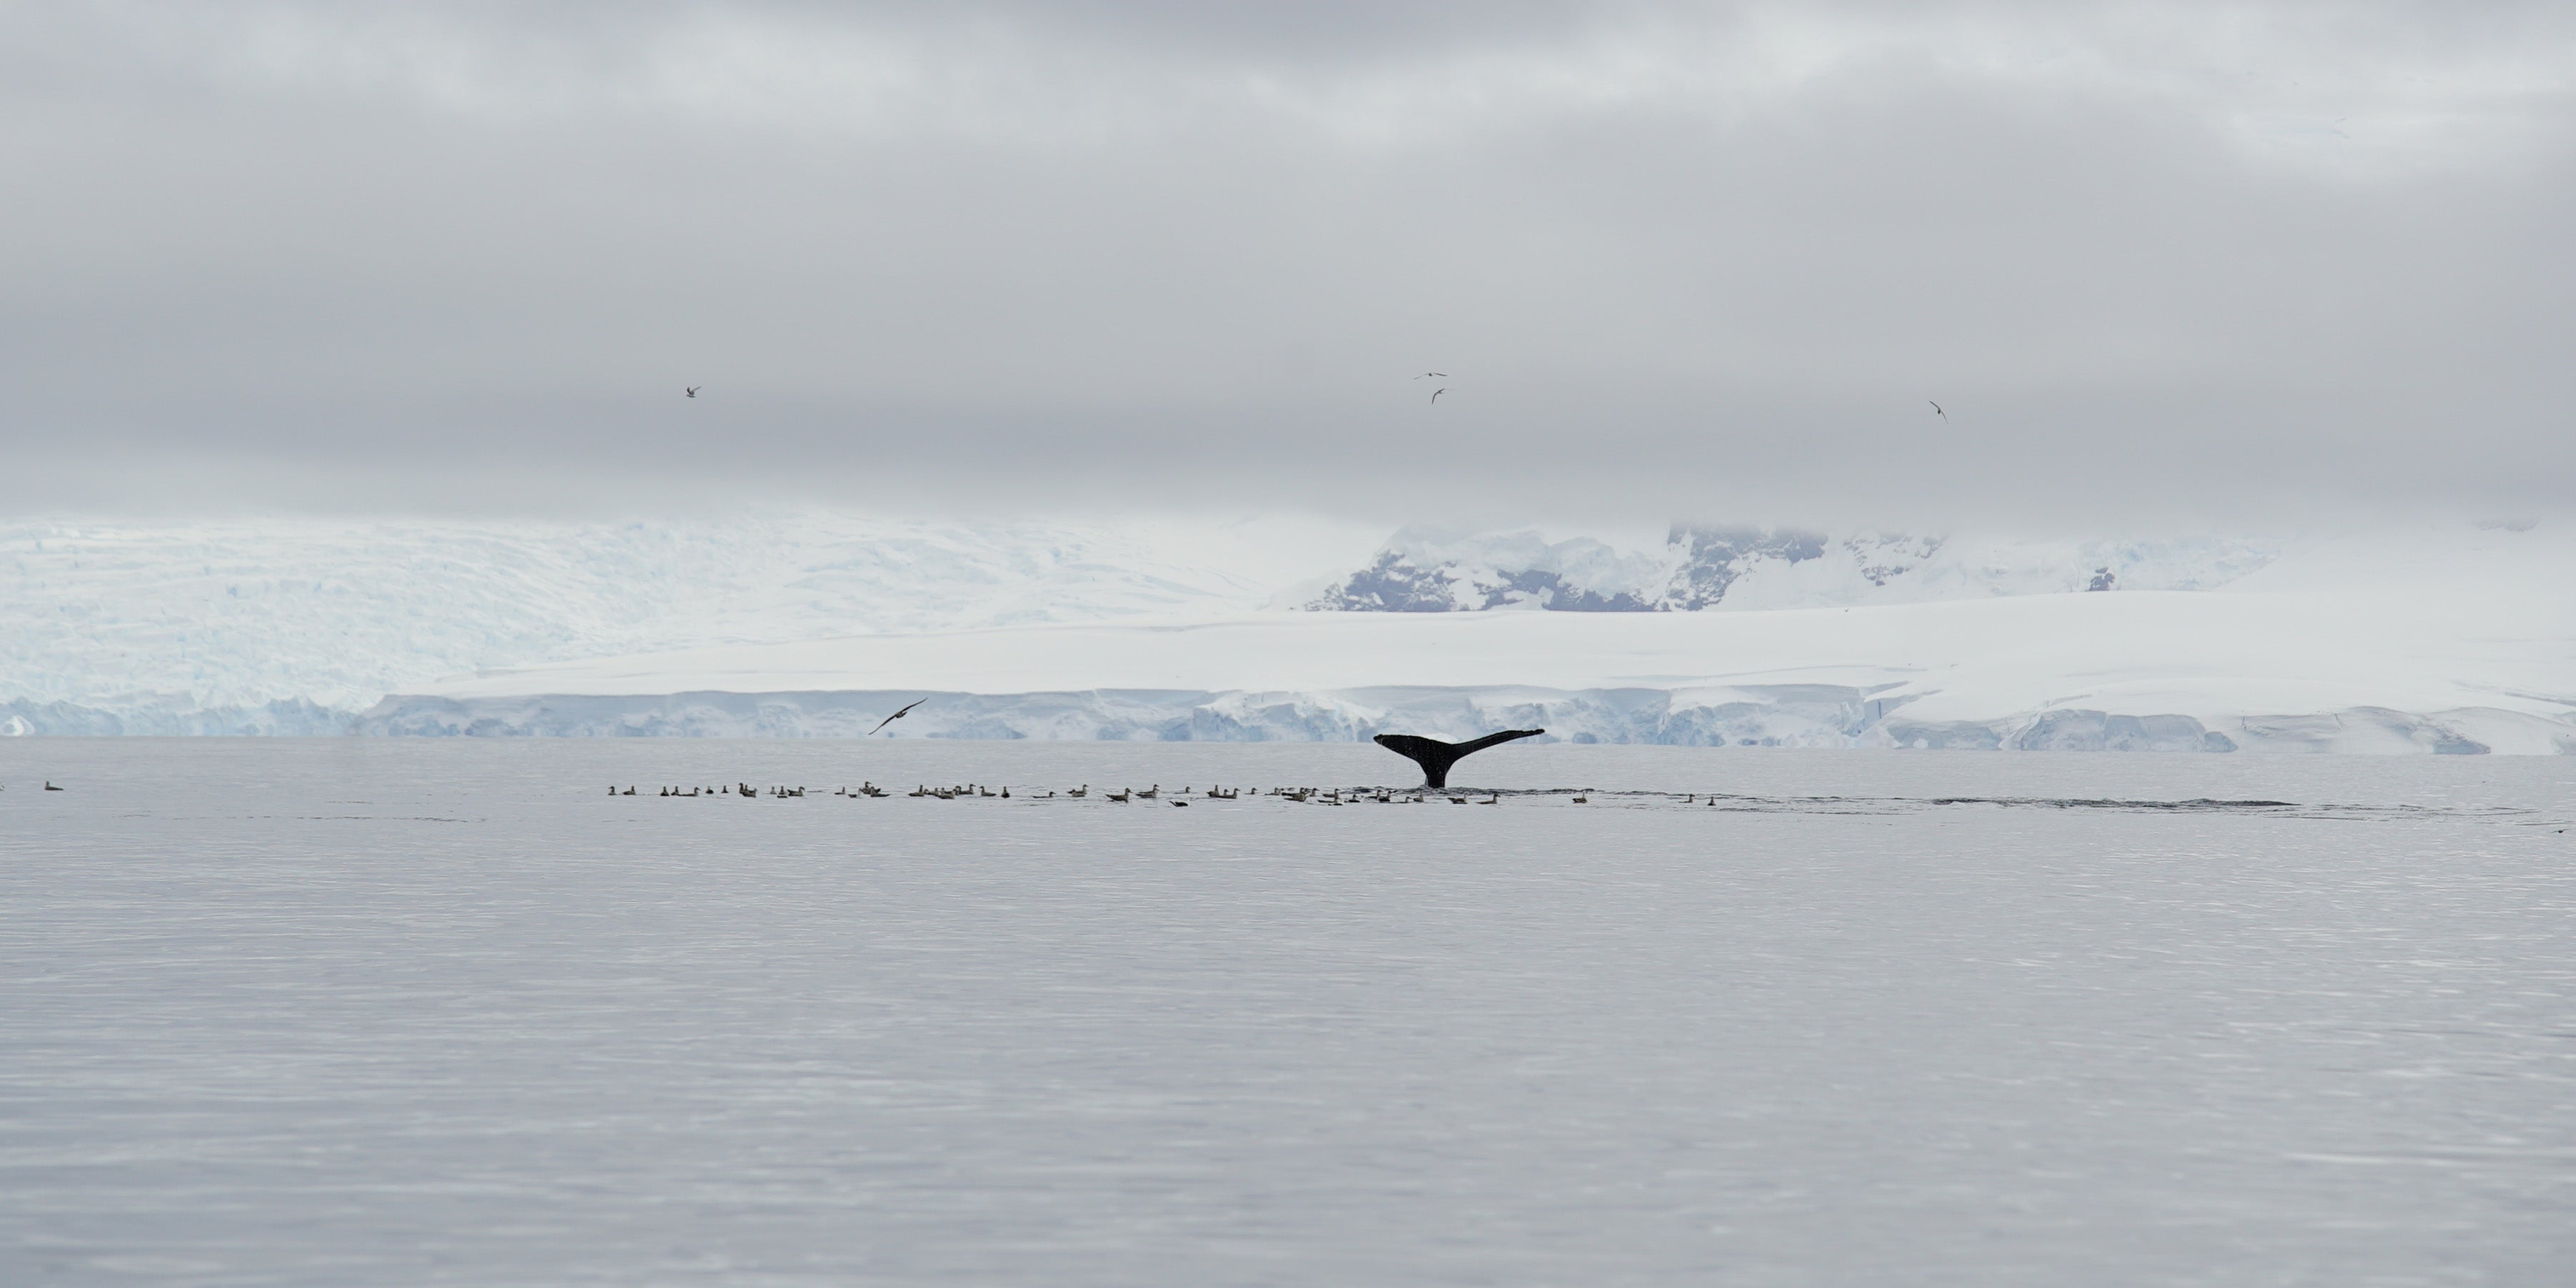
[1936,410]
[897,715]
[1429,374]
[693,391]
[1435,394]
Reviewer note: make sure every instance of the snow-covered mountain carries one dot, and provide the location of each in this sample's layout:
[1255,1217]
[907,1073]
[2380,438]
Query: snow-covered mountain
[306,625]
[1698,567]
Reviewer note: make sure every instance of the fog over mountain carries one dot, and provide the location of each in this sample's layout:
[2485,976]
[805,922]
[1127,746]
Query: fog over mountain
[2165,267]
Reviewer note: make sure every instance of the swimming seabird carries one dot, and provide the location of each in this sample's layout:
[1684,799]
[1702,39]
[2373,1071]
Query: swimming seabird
[897,715]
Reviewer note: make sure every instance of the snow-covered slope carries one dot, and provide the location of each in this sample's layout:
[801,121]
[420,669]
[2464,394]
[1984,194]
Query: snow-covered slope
[210,626]
[1697,567]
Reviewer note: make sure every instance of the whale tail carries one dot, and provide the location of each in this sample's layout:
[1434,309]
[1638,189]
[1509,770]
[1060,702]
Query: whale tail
[1436,756]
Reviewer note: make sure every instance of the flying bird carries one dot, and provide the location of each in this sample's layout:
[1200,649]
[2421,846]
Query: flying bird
[693,391]
[897,715]
[1936,410]
[1429,374]
[1435,394]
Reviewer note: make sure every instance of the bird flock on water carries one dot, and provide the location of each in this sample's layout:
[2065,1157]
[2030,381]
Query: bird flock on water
[1124,795]
[1128,795]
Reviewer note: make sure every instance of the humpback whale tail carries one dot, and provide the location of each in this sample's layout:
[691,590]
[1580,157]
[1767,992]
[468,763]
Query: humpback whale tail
[1436,756]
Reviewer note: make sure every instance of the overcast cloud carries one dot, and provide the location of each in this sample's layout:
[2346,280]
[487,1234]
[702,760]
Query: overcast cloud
[2157,261]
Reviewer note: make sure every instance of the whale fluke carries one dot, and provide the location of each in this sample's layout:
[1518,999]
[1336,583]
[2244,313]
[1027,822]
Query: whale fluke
[1436,756]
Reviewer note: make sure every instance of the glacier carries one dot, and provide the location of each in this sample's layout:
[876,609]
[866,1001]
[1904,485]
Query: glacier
[805,623]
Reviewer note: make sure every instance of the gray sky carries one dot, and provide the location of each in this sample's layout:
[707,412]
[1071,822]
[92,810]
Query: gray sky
[2158,261]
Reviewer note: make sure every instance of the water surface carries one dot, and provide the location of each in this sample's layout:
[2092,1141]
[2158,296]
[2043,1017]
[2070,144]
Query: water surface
[356,1012]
